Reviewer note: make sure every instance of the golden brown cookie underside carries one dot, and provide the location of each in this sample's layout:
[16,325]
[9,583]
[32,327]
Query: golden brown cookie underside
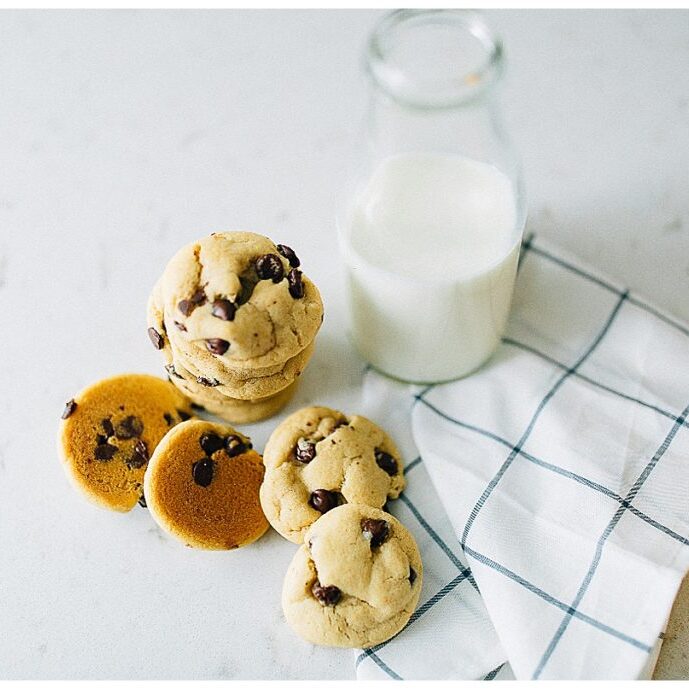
[125,401]
[223,515]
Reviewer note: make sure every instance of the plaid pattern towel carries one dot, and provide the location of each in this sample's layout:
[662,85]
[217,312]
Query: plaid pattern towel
[563,470]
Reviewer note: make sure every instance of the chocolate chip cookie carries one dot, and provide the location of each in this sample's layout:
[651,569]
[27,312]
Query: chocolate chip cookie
[319,458]
[110,429]
[355,581]
[201,486]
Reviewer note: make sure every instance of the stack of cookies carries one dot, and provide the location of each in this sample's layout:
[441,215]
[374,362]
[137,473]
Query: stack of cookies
[236,319]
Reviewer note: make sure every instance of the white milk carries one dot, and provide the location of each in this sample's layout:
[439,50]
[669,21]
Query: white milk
[431,248]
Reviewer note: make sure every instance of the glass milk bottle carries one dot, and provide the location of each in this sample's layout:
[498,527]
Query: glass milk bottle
[431,234]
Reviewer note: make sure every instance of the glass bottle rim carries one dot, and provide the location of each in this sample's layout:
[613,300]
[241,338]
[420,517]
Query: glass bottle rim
[461,88]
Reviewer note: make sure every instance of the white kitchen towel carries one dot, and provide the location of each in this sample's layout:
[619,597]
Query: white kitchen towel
[563,468]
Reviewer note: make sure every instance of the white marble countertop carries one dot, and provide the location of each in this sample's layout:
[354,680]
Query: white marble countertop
[126,134]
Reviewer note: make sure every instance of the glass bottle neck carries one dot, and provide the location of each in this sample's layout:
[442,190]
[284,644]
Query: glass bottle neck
[474,129]
[433,76]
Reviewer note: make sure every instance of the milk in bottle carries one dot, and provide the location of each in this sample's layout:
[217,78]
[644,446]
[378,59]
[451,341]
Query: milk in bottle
[431,251]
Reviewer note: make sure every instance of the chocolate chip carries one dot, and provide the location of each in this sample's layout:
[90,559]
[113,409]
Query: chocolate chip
[235,445]
[294,283]
[186,306]
[245,292]
[386,462]
[156,338]
[326,595]
[180,326]
[269,267]
[210,443]
[412,576]
[224,309]
[304,450]
[208,382]
[105,452]
[139,455]
[142,501]
[202,472]
[199,297]
[130,427]
[376,531]
[168,419]
[107,426]
[101,439]
[170,368]
[69,409]
[323,500]
[289,255]
[183,415]
[217,346]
